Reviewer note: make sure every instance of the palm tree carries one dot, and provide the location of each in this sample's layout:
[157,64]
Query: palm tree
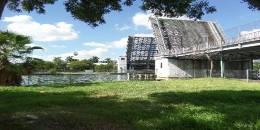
[13,48]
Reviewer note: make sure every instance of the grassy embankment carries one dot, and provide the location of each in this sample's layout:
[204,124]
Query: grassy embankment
[178,104]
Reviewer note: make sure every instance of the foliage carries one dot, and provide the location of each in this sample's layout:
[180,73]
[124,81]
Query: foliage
[37,65]
[256,66]
[92,12]
[110,67]
[70,59]
[108,60]
[200,104]
[80,9]
[13,48]
[80,65]
[94,59]
[52,71]
[11,75]
[176,8]
[32,65]
[60,65]
[253,4]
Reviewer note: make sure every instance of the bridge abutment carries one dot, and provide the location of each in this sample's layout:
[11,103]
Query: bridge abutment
[170,68]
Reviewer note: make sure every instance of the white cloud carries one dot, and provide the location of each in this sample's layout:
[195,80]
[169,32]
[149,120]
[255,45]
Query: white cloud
[84,54]
[24,24]
[94,44]
[101,50]
[58,46]
[121,43]
[184,17]
[142,20]
[122,28]
[144,35]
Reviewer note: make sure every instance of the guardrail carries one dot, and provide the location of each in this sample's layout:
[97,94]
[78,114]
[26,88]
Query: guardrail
[245,38]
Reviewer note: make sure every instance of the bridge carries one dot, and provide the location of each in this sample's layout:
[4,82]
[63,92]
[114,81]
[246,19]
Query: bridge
[248,44]
[204,42]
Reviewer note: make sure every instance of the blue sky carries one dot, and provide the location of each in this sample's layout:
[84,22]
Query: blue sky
[61,35]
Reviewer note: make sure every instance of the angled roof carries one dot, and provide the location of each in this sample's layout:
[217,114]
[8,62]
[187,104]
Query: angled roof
[174,36]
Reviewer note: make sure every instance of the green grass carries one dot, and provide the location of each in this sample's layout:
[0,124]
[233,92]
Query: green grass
[178,104]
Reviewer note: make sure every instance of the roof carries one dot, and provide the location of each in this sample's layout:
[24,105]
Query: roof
[174,35]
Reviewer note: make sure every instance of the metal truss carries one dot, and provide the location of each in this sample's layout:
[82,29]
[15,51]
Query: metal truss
[141,52]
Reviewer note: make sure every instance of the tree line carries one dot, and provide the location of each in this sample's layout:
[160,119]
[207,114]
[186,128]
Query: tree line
[70,64]
[15,60]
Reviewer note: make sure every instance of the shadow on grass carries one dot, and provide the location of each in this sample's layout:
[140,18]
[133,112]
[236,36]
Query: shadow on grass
[167,110]
[225,109]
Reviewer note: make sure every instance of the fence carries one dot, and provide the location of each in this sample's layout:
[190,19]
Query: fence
[46,79]
[237,74]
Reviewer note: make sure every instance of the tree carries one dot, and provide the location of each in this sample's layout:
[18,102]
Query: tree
[253,4]
[13,48]
[92,12]
[108,60]
[80,65]
[70,59]
[110,67]
[94,59]
[176,8]
[60,65]
[37,65]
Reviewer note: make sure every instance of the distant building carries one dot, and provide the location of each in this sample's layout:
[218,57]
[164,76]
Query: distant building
[122,64]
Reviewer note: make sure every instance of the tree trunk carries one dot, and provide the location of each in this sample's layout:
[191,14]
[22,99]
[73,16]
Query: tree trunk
[10,78]
[2,7]
[8,75]
[4,63]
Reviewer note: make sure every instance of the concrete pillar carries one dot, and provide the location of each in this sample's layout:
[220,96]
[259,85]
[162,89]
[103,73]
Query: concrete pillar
[251,64]
[222,67]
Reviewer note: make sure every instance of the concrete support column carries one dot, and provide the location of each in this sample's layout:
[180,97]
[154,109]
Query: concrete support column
[222,67]
[251,64]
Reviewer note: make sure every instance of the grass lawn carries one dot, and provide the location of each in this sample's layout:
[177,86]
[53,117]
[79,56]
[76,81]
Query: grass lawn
[179,104]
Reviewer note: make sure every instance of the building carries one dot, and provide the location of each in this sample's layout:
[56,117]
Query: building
[122,64]
[141,53]
[199,49]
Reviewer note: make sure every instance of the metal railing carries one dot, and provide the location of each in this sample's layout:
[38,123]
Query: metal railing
[245,38]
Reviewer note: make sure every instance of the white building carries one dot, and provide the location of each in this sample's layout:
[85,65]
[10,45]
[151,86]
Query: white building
[122,64]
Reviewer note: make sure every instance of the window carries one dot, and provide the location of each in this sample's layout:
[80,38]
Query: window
[122,58]
[161,65]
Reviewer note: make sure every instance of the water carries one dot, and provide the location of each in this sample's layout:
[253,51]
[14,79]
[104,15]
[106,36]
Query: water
[70,79]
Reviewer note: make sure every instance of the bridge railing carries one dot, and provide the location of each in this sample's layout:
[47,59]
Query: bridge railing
[243,38]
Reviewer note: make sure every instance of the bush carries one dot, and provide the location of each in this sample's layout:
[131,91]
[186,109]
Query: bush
[52,71]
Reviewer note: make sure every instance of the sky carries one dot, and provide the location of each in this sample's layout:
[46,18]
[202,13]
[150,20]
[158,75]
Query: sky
[60,35]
